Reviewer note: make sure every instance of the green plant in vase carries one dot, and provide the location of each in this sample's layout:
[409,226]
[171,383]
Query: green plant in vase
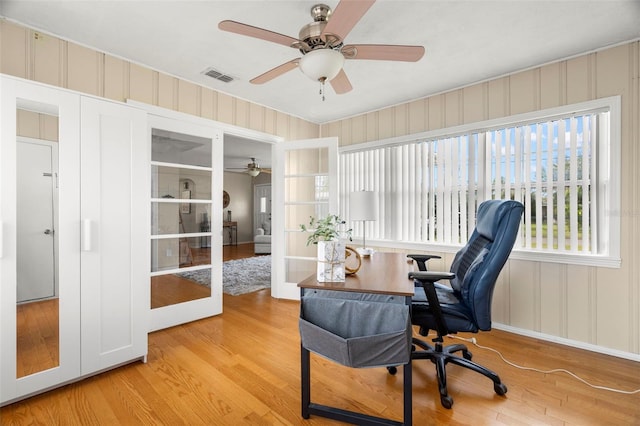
[326,229]
[326,233]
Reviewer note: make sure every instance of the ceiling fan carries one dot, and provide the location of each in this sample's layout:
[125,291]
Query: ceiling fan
[321,43]
[253,169]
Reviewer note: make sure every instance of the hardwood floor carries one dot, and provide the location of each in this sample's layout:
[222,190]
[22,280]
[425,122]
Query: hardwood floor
[171,289]
[37,342]
[240,251]
[243,367]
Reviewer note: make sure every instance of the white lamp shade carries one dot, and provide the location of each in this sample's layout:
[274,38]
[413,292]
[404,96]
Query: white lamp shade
[253,172]
[321,63]
[363,205]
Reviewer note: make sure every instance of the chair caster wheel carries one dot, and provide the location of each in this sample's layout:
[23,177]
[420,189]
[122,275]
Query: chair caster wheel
[500,388]
[392,370]
[446,401]
[467,355]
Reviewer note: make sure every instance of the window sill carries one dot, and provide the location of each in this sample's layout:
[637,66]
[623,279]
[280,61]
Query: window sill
[568,258]
[564,258]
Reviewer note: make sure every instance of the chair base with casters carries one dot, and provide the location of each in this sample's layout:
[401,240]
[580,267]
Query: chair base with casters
[463,304]
[442,355]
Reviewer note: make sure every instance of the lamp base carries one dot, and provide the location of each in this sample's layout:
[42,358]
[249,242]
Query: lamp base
[365,252]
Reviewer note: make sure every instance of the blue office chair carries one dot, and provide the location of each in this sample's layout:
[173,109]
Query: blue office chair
[465,305]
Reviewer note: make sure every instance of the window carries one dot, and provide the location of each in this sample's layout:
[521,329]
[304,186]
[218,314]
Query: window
[561,164]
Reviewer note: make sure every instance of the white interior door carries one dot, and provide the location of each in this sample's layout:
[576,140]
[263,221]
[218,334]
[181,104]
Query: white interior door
[185,149]
[305,177]
[115,221]
[36,177]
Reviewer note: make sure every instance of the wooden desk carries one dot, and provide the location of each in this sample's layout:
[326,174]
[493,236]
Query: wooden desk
[233,231]
[382,273]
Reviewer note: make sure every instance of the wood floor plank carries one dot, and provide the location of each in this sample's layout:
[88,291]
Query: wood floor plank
[243,368]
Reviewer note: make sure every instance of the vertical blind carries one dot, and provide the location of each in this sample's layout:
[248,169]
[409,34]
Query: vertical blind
[429,190]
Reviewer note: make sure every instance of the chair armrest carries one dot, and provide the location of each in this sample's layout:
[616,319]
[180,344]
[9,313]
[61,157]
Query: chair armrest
[421,259]
[431,276]
[427,280]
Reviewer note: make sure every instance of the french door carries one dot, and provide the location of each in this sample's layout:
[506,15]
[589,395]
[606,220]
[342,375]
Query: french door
[305,176]
[186,205]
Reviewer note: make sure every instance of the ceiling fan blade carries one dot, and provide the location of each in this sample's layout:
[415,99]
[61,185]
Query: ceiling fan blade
[383,52]
[345,16]
[341,83]
[276,72]
[251,31]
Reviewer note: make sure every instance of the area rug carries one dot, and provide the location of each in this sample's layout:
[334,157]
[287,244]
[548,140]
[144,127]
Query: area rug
[238,276]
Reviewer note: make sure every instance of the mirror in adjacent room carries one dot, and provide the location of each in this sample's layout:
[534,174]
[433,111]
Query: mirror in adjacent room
[37,329]
[180,218]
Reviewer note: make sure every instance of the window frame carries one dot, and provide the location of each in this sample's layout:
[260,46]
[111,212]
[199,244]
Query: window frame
[608,182]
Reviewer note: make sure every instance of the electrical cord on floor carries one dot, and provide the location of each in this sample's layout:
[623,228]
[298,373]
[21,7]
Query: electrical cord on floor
[473,341]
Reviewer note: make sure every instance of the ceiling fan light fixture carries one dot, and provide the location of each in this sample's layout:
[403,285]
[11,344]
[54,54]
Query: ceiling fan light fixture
[253,172]
[321,64]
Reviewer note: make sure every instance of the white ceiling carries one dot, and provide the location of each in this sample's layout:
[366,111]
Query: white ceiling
[465,41]
[239,151]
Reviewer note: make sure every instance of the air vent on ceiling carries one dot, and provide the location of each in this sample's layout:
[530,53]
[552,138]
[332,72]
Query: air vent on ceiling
[218,75]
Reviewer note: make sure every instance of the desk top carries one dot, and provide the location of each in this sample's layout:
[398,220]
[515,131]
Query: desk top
[382,273]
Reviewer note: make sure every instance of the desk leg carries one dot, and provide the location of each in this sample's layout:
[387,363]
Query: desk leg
[305,373]
[408,397]
[346,416]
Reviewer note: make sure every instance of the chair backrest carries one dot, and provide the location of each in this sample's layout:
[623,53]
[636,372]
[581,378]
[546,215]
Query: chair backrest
[478,264]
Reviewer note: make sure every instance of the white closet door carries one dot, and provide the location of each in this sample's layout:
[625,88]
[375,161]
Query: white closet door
[115,228]
[42,100]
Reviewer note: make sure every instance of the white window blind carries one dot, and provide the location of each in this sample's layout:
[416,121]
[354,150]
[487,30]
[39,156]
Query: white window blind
[430,188]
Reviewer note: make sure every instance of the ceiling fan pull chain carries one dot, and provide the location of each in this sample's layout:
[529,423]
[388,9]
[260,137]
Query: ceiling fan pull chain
[322,89]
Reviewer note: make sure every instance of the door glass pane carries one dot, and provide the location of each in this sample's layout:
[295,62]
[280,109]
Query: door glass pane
[174,253]
[297,270]
[296,242]
[297,214]
[181,205]
[36,207]
[307,188]
[180,218]
[307,161]
[179,148]
[170,289]
[178,182]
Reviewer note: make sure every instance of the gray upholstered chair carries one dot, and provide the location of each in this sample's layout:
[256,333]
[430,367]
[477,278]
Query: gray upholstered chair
[262,239]
[465,304]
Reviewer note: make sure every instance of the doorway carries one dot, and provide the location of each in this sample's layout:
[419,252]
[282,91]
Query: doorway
[36,201]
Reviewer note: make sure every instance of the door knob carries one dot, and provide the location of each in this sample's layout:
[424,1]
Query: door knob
[48,231]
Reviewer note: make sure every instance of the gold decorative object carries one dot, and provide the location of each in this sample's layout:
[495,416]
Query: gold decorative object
[352,257]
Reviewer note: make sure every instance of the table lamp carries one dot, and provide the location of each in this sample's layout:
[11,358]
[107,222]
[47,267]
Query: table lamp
[363,205]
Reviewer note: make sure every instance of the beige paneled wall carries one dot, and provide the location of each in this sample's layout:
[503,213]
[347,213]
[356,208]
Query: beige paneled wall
[37,126]
[597,306]
[239,186]
[29,54]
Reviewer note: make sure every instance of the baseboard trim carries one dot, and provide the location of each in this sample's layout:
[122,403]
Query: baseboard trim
[568,342]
